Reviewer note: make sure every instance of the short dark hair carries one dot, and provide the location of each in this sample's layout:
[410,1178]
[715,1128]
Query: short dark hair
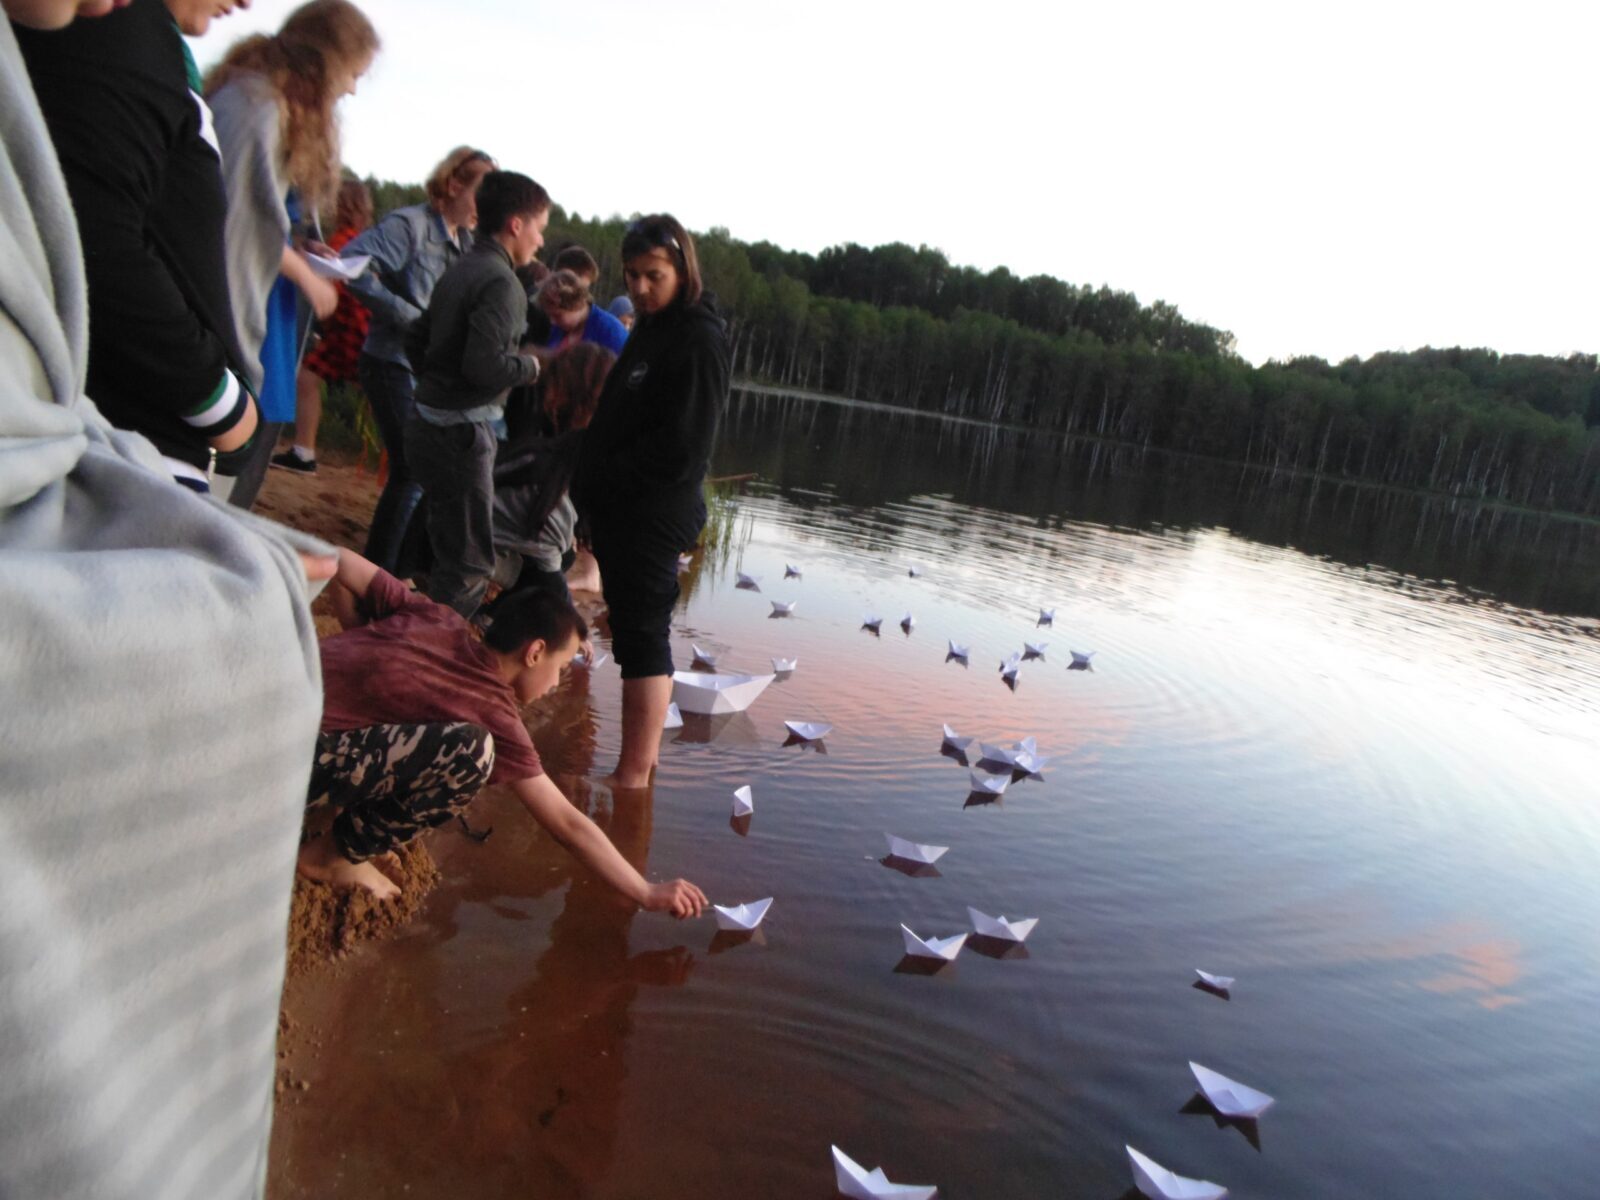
[506,194]
[532,612]
[661,231]
[579,261]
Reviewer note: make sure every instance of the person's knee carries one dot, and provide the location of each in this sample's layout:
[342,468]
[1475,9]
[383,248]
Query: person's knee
[470,749]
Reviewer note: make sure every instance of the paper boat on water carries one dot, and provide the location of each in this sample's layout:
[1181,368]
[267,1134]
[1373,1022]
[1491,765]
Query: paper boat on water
[954,740]
[1221,982]
[908,622]
[915,852]
[1228,1096]
[1080,659]
[783,608]
[1034,649]
[872,622]
[709,695]
[741,918]
[1158,1183]
[1047,616]
[913,571]
[810,731]
[1009,677]
[945,948]
[999,927]
[685,561]
[790,571]
[958,651]
[992,785]
[743,801]
[784,665]
[339,269]
[674,718]
[702,658]
[998,755]
[855,1181]
[750,583]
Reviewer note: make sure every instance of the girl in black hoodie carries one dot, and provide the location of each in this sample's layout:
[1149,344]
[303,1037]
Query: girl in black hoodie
[639,478]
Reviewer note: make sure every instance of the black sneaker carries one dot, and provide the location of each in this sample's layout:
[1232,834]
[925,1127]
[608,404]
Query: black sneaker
[290,461]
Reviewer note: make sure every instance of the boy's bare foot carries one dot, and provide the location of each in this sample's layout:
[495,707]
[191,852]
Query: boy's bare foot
[320,860]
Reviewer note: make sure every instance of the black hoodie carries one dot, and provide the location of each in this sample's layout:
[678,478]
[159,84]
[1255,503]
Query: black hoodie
[647,449]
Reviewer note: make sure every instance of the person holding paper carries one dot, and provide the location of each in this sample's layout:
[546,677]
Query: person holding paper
[640,475]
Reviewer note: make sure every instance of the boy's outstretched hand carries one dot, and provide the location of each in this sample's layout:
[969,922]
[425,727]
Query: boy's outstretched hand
[678,897]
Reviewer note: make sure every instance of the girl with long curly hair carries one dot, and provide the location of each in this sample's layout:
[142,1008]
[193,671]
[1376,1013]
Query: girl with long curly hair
[275,98]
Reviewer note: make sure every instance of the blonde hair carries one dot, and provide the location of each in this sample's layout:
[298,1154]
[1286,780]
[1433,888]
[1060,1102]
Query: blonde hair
[454,166]
[301,63]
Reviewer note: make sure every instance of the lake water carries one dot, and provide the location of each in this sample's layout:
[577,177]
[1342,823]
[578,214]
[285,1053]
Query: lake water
[1340,744]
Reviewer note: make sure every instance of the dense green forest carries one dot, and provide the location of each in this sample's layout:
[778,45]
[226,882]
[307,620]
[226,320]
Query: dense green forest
[901,325]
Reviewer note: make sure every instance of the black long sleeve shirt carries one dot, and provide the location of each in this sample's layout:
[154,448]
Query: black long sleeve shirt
[464,347]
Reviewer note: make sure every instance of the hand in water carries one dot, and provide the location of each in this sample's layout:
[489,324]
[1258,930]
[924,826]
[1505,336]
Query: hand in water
[678,897]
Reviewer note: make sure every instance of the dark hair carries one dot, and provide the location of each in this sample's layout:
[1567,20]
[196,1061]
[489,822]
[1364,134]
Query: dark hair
[532,273]
[579,261]
[506,194]
[563,292]
[528,613]
[572,383]
[355,206]
[661,231]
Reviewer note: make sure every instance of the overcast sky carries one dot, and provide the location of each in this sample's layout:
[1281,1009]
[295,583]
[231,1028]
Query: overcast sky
[1329,179]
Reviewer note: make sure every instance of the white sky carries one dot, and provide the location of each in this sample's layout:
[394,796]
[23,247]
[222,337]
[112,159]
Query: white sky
[1320,178]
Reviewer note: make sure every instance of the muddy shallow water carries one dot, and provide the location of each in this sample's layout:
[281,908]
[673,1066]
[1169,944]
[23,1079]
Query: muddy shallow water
[1367,794]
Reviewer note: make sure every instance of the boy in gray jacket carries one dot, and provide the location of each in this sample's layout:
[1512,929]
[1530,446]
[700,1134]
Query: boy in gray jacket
[467,353]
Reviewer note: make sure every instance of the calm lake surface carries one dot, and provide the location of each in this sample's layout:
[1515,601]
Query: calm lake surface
[1340,744]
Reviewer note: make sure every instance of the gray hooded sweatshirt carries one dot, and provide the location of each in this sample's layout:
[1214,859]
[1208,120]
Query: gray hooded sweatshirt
[159,699]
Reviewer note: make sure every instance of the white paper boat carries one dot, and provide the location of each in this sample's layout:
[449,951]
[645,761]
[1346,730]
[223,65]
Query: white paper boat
[1047,616]
[708,695]
[784,665]
[1010,662]
[685,561]
[958,651]
[1008,676]
[743,801]
[914,571]
[1230,1097]
[810,731]
[751,583]
[702,658]
[782,608]
[954,740]
[990,785]
[1034,649]
[914,851]
[674,718]
[999,755]
[1158,1183]
[741,918]
[1221,982]
[871,622]
[341,269]
[600,659]
[1080,659]
[908,622]
[999,927]
[945,948]
[855,1181]
[790,571]
[1032,764]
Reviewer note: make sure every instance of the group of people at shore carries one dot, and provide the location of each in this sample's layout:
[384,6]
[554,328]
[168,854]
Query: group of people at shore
[172,712]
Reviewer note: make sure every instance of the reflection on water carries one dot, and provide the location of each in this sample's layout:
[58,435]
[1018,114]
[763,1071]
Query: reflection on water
[1301,758]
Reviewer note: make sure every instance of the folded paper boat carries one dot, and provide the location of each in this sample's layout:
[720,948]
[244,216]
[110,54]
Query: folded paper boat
[1158,1183]
[710,695]
[858,1183]
[999,927]
[810,731]
[915,852]
[919,947]
[743,801]
[741,918]
[1230,1097]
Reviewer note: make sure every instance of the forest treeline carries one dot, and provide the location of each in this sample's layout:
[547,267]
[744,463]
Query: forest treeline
[902,325]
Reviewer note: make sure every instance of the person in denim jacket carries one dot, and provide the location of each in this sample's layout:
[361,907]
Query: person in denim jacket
[411,248]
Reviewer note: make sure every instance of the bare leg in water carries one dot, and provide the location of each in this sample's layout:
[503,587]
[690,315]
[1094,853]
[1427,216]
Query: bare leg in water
[644,711]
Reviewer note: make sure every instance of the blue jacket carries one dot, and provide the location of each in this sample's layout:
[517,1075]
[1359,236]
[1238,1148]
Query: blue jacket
[601,328]
[411,250]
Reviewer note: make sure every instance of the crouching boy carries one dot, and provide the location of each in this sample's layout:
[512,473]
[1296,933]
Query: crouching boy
[418,715]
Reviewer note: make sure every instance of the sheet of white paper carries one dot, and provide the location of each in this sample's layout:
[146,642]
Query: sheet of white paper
[703,657]
[993,785]
[341,269]
[1221,982]
[790,571]
[743,801]
[748,582]
[710,695]
[741,918]
[783,665]
[674,717]
[855,1181]
[957,650]
[1158,1183]
[919,947]
[999,927]
[782,608]
[1230,1097]
[916,852]
[954,740]
[1047,616]
[871,622]
[811,731]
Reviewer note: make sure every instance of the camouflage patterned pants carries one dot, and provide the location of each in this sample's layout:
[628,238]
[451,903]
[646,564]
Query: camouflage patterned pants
[390,782]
